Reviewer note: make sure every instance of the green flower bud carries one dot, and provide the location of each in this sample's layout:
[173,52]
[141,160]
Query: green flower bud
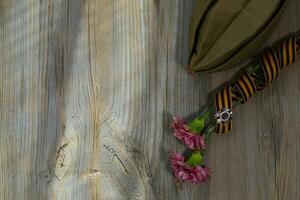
[197,125]
[195,159]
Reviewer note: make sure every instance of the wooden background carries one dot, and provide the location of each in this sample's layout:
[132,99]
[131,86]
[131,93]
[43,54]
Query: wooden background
[87,92]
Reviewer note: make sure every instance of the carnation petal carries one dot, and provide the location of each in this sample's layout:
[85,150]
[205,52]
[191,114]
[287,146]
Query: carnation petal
[186,173]
[190,139]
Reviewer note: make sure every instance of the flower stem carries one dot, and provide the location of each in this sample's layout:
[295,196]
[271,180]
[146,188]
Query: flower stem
[210,131]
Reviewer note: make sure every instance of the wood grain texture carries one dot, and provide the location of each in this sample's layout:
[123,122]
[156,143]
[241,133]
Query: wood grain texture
[88,90]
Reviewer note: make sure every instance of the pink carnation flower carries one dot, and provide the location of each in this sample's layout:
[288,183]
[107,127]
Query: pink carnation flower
[186,173]
[182,132]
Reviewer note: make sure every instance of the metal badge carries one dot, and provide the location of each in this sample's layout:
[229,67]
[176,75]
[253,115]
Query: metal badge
[224,115]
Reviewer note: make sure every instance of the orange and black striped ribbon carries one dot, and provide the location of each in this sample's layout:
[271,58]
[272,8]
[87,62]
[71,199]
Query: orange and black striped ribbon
[248,84]
[223,100]
[246,87]
[287,52]
[270,66]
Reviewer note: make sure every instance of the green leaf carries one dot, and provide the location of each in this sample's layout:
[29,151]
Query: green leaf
[195,159]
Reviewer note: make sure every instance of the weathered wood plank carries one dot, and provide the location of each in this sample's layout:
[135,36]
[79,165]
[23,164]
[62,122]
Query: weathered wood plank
[88,90]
